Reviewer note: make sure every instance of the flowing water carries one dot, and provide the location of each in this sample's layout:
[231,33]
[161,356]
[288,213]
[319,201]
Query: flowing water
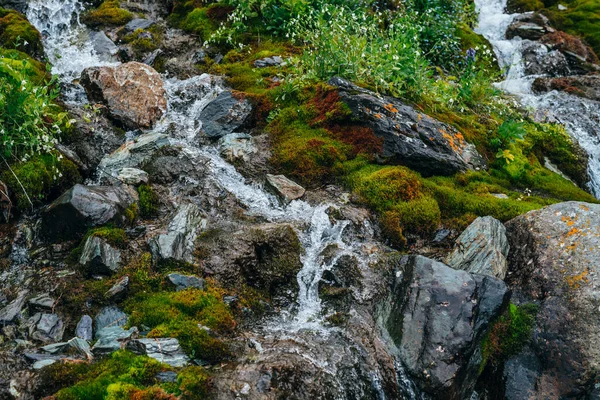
[581,117]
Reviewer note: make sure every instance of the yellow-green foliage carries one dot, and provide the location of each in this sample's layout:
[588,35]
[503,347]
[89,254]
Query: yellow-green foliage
[43,178]
[472,40]
[107,14]
[32,69]
[17,33]
[148,201]
[114,236]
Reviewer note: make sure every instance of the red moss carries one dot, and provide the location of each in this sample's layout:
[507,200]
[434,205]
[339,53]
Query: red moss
[362,139]
[219,12]
[328,106]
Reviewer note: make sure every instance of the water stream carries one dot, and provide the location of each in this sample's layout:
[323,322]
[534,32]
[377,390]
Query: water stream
[581,117]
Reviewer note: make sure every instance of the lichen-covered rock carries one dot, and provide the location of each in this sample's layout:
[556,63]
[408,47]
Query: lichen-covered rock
[133,92]
[99,257]
[554,262]
[539,60]
[410,137]
[83,207]
[119,290]
[237,147]
[285,188]
[224,114]
[481,249]
[437,317]
[580,56]
[133,176]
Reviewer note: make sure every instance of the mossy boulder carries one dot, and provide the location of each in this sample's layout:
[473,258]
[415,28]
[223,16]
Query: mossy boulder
[109,13]
[17,33]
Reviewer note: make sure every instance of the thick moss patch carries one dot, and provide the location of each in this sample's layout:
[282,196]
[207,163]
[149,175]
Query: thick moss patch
[17,33]
[109,13]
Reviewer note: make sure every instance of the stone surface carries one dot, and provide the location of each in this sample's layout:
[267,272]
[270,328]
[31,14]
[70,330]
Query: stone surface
[109,317]
[99,257]
[12,310]
[437,318]
[182,282]
[520,376]
[224,115]
[19,5]
[554,262]
[410,137]
[133,176]
[539,60]
[83,207]
[529,26]
[104,47]
[587,86]
[45,327]
[179,241]
[580,56]
[119,290]
[274,61]
[84,329]
[285,188]
[42,302]
[237,147]
[137,23]
[133,92]
[165,350]
[112,339]
[482,249]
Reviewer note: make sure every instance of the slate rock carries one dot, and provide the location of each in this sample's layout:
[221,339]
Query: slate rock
[119,290]
[99,257]
[165,350]
[112,338]
[84,328]
[274,61]
[285,188]
[182,282]
[138,23]
[45,327]
[110,317]
[133,176]
[12,310]
[105,48]
[224,115]
[42,302]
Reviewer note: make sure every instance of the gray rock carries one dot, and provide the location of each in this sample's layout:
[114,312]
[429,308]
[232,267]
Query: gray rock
[45,327]
[166,377]
[133,176]
[237,147]
[99,257]
[138,23]
[409,137]
[437,318]
[530,26]
[285,188]
[587,86]
[80,346]
[179,241]
[554,262]
[112,339]
[539,60]
[43,363]
[224,115]
[19,5]
[84,328]
[119,290]
[274,61]
[110,317]
[165,350]
[481,249]
[42,302]
[12,310]
[83,207]
[521,374]
[182,282]
[104,47]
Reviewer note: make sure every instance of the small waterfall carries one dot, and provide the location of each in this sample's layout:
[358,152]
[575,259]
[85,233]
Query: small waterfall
[581,117]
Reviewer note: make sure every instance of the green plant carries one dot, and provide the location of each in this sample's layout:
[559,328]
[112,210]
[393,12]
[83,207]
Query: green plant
[109,13]
[148,203]
[17,33]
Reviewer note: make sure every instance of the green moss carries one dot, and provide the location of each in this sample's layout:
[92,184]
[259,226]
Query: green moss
[131,212]
[17,33]
[199,23]
[43,178]
[470,40]
[114,236]
[107,14]
[32,69]
[148,201]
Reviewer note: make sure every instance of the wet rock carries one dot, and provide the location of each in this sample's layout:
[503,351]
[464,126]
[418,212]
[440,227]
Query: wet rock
[133,176]
[530,26]
[587,86]
[285,188]
[274,61]
[410,137]
[580,56]
[83,207]
[224,115]
[45,328]
[520,376]
[481,249]
[84,328]
[99,257]
[104,47]
[237,147]
[19,5]
[133,92]
[165,350]
[112,339]
[166,377]
[119,290]
[109,317]
[42,302]
[179,241]
[539,60]
[437,318]
[12,310]
[554,262]
[182,282]
[137,23]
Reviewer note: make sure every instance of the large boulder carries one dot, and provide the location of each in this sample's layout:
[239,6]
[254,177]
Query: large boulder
[83,207]
[482,248]
[554,262]
[133,92]
[580,56]
[587,86]
[437,317]
[530,26]
[410,137]
[224,114]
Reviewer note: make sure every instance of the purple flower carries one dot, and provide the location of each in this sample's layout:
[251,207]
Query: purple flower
[471,54]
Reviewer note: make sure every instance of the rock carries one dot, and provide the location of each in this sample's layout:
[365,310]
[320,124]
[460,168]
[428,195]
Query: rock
[133,92]
[182,282]
[84,328]
[587,86]
[437,318]
[109,317]
[133,176]
[554,262]
[580,56]
[539,60]
[165,350]
[520,376]
[285,188]
[83,207]
[119,290]
[137,23]
[410,137]
[80,346]
[45,327]
[179,241]
[12,310]
[104,47]
[562,7]
[530,26]
[74,346]
[99,257]
[274,61]
[42,302]
[19,5]
[224,115]
[481,249]
[237,147]
[502,196]
[112,339]
[166,377]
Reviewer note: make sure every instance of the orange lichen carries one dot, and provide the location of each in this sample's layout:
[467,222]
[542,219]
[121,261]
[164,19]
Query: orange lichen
[576,281]
[390,107]
[456,141]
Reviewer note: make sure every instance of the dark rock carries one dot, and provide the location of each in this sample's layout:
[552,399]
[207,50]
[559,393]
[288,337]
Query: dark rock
[441,235]
[554,262]
[119,290]
[274,61]
[538,60]
[580,56]
[521,374]
[19,5]
[481,249]
[285,188]
[112,339]
[83,207]
[587,86]
[109,317]
[166,377]
[165,350]
[437,319]
[12,310]
[84,328]
[530,26]
[99,257]
[45,328]
[137,23]
[182,282]
[224,115]
[409,137]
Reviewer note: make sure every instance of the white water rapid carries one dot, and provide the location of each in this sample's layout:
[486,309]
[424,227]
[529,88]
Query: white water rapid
[581,117]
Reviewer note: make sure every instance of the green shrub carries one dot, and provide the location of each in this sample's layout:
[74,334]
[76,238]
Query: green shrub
[107,14]
[148,203]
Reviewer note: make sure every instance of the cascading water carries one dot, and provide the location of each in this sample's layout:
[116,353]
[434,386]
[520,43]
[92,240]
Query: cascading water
[581,117]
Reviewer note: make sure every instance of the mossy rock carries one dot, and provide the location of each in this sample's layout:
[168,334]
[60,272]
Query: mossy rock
[17,33]
[148,204]
[109,13]
[31,68]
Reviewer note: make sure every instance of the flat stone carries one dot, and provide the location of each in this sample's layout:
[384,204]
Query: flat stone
[165,350]
[119,290]
[110,317]
[105,48]
[274,61]
[133,176]
[166,377]
[42,302]
[84,328]
[46,327]
[138,23]
[11,311]
[111,338]
[99,257]
[183,282]
[285,188]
